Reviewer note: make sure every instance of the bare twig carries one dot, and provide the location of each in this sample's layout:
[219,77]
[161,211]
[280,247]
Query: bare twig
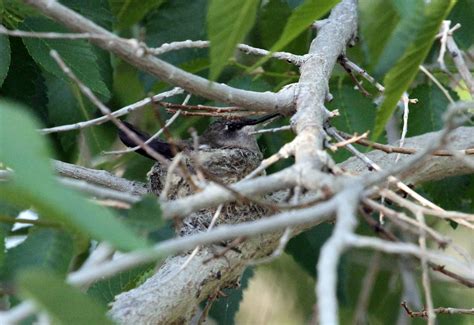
[173,46]
[424,267]
[273,130]
[409,151]
[120,112]
[439,310]
[105,110]
[461,65]
[53,35]
[437,83]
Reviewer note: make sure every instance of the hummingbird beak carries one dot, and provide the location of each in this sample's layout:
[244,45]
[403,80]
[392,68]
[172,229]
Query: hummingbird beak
[267,118]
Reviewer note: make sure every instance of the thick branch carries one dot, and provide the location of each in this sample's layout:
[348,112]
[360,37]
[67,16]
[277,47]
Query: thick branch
[100,177]
[434,168]
[329,44]
[282,101]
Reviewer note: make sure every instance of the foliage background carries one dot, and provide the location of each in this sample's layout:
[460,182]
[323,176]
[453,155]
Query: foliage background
[41,93]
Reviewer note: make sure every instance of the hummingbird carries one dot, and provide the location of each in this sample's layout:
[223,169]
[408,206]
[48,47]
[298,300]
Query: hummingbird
[227,151]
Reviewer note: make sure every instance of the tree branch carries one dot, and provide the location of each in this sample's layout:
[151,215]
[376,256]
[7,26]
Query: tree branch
[132,53]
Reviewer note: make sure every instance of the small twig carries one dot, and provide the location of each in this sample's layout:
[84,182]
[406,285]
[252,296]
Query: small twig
[343,62]
[272,130]
[285,237]
[105,110]
[404,102]
[360,315]
[409,151]
[185,107]
[461,65]
[347,64]
[286,151]
[439,310]
[394,215]
[53,35]
[232,115]
[435,267]
[437,83]
[353,139]
[173,46]
[444,32]
[351,66]
[424,266]
[120,112]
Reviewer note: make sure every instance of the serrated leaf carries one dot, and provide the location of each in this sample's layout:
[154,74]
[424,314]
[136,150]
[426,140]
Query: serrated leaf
[49,249]
[96,10]
[106,290]
[77,54]
[427,115]
[412,19]
[462,13]
[65,304]
[129,12]
[24,82]
[357,112]
[377,20]
[228,22]
[399,78]
[162,28]
[5,56]
[300,20]
[452,193]
[25,151]
[271,21]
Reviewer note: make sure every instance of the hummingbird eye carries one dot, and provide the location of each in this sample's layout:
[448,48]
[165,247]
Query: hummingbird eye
[232,126]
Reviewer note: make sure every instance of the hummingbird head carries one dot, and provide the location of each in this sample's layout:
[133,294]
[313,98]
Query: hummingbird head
[235,133]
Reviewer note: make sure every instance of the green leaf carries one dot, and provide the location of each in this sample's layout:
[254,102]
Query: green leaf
[300,20]
[65,304]
[224,309]
[411,13]
[305,249]
[49,249]
[162,28]
[129,12]
[96,10]
[427,114]
[399,78]
[452,193]
[26,152]
[378,19]
[462,13]
[67,105]
[4,57]
[25,82]
[228,22]
[77,54]
[357,112]
[271,21]
[145,216]
[106,290]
